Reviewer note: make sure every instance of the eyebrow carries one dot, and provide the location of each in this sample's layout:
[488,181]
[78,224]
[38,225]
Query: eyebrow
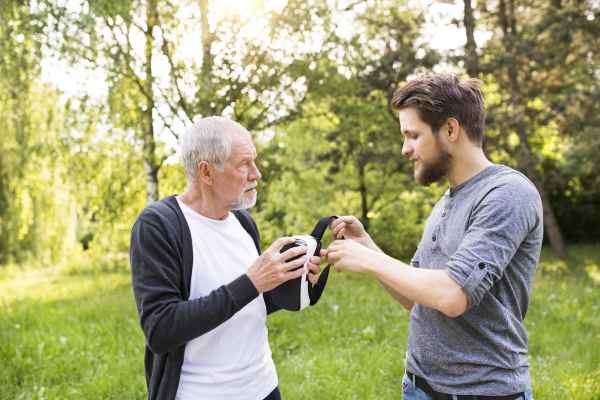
[246,158]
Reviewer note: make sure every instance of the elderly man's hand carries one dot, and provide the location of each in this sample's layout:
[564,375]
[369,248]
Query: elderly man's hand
[313,266]
[270,269]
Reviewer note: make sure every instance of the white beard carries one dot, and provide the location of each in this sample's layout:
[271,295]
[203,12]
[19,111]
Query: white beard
[243,201]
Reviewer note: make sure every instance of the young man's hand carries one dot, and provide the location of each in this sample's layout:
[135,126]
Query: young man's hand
[352,257]
[349,227]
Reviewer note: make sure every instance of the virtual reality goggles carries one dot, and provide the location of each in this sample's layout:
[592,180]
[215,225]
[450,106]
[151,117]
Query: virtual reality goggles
[297,294]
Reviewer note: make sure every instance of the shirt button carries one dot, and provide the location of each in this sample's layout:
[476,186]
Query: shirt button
[443,214]
[451,194]
[433,238]
[481,265]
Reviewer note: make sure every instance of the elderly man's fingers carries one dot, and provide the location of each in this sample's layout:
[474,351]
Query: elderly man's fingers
[293,252]
[293,274]
[312,278]
[295,263]
[315,269]
[316,260]
[279,243]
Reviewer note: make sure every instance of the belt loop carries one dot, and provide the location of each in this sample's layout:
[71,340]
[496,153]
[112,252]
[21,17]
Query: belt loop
[414,380]
[454,397]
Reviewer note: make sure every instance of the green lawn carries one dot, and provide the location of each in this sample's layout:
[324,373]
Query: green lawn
[78,337]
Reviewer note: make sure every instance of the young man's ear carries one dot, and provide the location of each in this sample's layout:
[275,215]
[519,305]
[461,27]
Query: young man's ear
[451,129]
[205,172]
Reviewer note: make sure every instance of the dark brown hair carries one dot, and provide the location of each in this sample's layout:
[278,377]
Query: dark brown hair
[439,97]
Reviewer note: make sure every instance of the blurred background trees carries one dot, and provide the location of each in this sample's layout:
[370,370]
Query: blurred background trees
[311,80]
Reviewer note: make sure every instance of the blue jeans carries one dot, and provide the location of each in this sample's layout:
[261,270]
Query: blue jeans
[411,392]
[275,395]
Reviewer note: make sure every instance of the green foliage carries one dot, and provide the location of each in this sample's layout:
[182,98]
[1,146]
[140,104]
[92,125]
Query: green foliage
[75,337]
[342,152]
[545,58]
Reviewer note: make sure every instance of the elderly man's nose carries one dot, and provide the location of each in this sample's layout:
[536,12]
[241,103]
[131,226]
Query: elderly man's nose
[255,173]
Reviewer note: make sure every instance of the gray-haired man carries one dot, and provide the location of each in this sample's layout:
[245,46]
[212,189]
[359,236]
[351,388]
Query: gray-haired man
[200,284]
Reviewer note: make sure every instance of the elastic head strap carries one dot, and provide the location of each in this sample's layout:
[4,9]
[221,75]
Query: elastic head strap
[321,226]
[315,292]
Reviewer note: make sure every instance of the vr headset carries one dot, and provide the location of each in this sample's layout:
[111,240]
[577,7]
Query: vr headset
[297,294]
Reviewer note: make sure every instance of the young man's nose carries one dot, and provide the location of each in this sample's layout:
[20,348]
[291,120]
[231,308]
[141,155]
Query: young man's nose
[406,149]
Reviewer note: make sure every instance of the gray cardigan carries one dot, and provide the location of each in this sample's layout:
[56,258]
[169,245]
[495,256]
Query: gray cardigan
[161,258]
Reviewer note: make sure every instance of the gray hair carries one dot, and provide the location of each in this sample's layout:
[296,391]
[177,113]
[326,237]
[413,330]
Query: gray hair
[209,139]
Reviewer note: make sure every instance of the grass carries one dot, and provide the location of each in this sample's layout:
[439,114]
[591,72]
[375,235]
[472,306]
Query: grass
[78,337]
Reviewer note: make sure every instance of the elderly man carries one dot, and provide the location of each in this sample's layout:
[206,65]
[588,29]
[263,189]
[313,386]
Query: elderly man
[200,284]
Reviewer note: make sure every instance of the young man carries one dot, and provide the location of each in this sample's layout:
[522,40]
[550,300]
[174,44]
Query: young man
[200,284]
[469,283]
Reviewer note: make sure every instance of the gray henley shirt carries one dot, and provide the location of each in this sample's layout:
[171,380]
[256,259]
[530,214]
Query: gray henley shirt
[487,235]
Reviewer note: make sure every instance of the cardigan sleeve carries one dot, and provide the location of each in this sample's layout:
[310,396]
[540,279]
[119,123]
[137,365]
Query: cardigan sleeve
[167,319]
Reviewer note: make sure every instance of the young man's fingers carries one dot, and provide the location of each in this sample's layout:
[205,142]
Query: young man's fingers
[332,255]
[335,223]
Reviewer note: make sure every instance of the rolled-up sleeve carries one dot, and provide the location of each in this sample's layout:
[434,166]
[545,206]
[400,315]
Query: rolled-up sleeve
[414,262]
[498,225]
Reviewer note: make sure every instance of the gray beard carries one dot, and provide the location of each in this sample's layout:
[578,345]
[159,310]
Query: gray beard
[243,202]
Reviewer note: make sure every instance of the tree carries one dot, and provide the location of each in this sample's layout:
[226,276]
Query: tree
[535,56]
[252,67]
[35,202]
[471,57]
[344,149]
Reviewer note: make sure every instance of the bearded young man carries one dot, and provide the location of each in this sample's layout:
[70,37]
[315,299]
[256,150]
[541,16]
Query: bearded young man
[200,284]
[468,285]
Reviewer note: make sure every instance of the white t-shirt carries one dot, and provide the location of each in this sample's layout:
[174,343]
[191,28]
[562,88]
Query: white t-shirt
[233,361]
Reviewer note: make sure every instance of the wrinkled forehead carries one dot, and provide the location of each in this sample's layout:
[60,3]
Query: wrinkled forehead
[241,145]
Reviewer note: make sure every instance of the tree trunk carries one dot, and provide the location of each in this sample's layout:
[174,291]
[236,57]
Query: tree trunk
[362,188]
[206,57]
[4,215]
[528,164]
[471,59]
[150,164]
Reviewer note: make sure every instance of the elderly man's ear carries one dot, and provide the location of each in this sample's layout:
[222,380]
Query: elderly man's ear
[205,172]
